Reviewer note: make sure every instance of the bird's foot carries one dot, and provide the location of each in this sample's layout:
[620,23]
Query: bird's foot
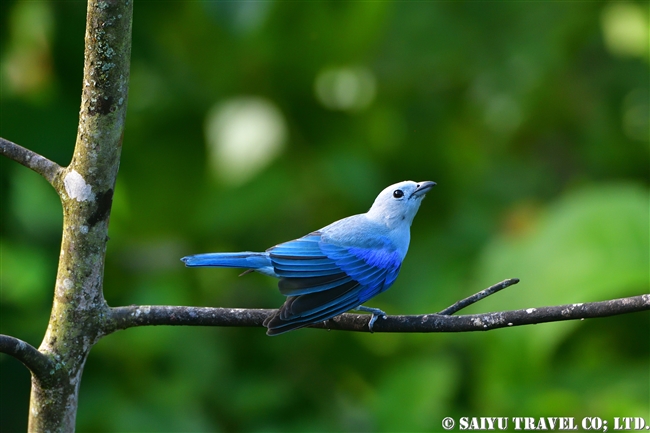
[376,314]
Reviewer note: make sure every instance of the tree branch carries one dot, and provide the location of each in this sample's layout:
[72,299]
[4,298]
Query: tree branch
[39,364]
[154,315]
[86,188]
[134,315]
[30,159]
[488,321]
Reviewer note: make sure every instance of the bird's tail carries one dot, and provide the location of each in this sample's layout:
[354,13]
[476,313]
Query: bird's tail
[247,259]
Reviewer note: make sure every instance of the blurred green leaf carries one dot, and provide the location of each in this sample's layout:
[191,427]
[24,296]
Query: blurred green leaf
[25,276]
[414,395]
[36,205]
[592,245]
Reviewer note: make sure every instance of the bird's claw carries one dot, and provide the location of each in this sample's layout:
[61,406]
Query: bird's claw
[376,314]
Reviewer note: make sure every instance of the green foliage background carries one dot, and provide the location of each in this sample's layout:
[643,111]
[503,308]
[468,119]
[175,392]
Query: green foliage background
[531,116]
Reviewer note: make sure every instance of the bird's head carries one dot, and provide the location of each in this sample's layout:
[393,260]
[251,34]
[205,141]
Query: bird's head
[399,203]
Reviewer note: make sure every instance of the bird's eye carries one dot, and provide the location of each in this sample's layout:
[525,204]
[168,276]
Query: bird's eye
[398,193]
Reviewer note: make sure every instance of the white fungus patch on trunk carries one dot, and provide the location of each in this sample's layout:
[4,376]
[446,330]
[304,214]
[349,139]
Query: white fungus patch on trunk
[77,188]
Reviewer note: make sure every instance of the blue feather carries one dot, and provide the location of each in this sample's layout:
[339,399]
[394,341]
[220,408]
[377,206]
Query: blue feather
[245,259]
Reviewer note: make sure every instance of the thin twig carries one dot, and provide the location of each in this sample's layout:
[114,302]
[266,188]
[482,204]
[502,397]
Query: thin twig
[478,296]
[30,159]
[39,364]
[135,315]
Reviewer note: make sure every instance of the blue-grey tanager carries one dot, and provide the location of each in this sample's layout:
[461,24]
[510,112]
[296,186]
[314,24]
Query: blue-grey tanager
[336,268]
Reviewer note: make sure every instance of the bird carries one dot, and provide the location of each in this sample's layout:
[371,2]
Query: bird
[337,268]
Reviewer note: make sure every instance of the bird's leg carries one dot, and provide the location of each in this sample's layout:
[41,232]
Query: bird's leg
[376,313]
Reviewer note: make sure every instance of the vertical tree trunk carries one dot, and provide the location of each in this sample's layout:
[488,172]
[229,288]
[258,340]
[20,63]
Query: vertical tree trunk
[86,191]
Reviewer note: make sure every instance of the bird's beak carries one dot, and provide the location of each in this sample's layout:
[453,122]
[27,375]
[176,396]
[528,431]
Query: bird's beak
[423,188]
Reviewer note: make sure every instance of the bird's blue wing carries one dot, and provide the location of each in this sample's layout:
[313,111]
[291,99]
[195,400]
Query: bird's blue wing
[304,268]
[375,269]
[323,280]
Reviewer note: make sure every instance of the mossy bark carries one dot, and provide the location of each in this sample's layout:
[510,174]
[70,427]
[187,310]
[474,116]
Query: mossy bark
[86,191]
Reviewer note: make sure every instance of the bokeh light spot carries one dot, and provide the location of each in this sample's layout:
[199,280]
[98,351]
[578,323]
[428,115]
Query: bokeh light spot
[625,29]
[346,88]
[243,136]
